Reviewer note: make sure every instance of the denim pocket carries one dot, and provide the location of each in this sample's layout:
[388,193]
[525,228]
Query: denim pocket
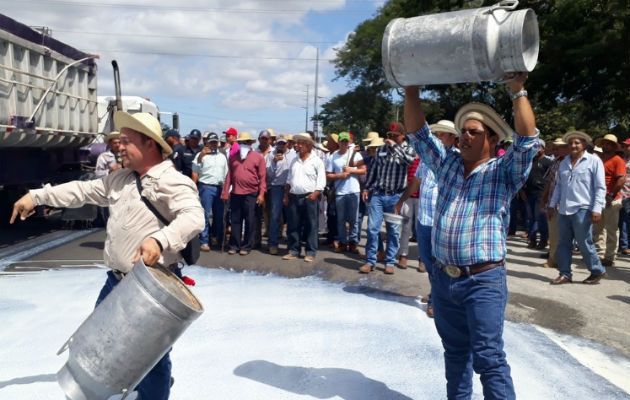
[491,277]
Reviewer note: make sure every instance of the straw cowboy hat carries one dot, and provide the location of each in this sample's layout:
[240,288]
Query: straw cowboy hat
[559,142]
[305,137]
[144,123]
[370,136]
[244,137]
[112,135]
[577,134]
[609,137]
[444,126]
[376,142]
[484,114]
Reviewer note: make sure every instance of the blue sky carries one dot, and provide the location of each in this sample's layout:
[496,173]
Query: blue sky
[217,63]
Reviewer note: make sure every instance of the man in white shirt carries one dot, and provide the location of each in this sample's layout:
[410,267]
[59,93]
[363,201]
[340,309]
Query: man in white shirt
[278,166]
[347,190]
[306,181]
[109,160]
[208,172]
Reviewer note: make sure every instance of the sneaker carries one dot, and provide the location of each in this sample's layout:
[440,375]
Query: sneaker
[289,257]
[273,250]
[389,269]
[204,247]
[402,262]
[366,268]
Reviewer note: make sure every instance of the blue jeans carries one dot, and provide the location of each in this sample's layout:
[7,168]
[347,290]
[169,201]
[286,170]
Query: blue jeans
[425,250]
[624,223]
[580,227]
[536,219]
[302,220]
[276,193]
[347,206]
[156,385]
[469,316]
[210,197]
[380,203]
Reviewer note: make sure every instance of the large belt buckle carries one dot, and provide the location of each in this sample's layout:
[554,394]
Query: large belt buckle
[453,271]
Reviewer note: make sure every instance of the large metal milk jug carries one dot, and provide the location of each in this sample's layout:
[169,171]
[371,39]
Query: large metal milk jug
[482,44]
[127,334]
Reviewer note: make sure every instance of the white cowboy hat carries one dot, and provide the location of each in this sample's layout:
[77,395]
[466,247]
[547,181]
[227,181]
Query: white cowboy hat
[609,137]
[484,114]
[304,137]
[112,135]
[143,123]
[444,126]
[577,134]
[378,142]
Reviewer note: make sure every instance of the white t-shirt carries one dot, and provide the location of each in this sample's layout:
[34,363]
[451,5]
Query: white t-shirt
[335,164]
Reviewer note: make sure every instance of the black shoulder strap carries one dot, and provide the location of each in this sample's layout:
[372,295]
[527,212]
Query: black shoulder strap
[148,203]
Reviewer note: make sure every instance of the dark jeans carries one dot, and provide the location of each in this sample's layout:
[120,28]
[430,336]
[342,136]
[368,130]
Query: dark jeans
[517,209]
[211,202]
[156,385]
[425,251]
[624,223]
[302,214]
[469,316]
[536,219]
[243,209]
[331,220]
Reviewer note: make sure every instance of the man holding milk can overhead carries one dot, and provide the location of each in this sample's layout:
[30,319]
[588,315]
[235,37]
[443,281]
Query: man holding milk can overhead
[469,289]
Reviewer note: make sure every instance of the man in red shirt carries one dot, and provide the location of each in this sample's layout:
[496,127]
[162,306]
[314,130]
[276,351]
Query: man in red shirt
[247,175]
[605,231]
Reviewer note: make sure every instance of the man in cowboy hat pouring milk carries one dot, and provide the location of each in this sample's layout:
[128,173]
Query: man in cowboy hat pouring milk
[133,231]
[469,291]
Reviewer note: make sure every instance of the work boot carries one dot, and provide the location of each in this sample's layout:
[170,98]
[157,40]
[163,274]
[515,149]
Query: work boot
[389,270]
[204,247]
[402,262]
[366,268]
[353,248]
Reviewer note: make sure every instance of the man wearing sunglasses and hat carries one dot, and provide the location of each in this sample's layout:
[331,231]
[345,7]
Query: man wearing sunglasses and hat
[468,285]
[133,230]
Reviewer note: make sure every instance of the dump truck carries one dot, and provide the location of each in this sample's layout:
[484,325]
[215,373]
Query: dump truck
[52,121]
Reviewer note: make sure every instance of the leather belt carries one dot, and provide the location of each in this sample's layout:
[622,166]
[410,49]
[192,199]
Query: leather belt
[455,271]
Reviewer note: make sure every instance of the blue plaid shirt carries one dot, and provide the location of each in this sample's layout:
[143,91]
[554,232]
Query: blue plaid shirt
[472,213]
[428,194]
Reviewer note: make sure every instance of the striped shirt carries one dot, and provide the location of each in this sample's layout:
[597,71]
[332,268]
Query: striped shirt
[388,169]
[411,172]
[428,195]
[472,212]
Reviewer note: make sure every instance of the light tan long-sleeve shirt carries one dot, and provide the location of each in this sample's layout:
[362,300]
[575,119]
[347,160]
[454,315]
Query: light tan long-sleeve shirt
[174,195]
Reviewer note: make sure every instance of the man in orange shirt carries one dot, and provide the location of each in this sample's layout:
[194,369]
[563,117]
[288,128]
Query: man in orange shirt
[605,231]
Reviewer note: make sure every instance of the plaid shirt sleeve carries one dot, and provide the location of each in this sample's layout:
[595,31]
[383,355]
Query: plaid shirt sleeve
[517,160]
[429,148]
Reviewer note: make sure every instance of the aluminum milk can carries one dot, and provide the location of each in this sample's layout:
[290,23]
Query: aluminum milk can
[482,44]
[127,334]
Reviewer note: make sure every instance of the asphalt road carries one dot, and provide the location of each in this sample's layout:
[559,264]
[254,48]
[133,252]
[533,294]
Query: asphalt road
[599,312]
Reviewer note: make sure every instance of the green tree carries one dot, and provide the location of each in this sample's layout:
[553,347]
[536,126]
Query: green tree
[580,82]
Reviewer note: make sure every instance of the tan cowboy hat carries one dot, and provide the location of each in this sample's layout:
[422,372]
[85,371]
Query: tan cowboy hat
[144,123]
[304,137]
[244,137]
[112,135]
[444,126]
[370,136]
[484,114]
[290,137]
[609,137]
[377,142]
[577,134]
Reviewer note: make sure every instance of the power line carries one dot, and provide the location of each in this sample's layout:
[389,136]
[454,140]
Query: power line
[186,37]
[189,9]
[164,53]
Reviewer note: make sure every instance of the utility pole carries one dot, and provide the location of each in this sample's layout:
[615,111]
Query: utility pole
[306,108]
[315,121]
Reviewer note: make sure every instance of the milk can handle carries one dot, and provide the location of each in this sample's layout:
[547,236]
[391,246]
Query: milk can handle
[505,5]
